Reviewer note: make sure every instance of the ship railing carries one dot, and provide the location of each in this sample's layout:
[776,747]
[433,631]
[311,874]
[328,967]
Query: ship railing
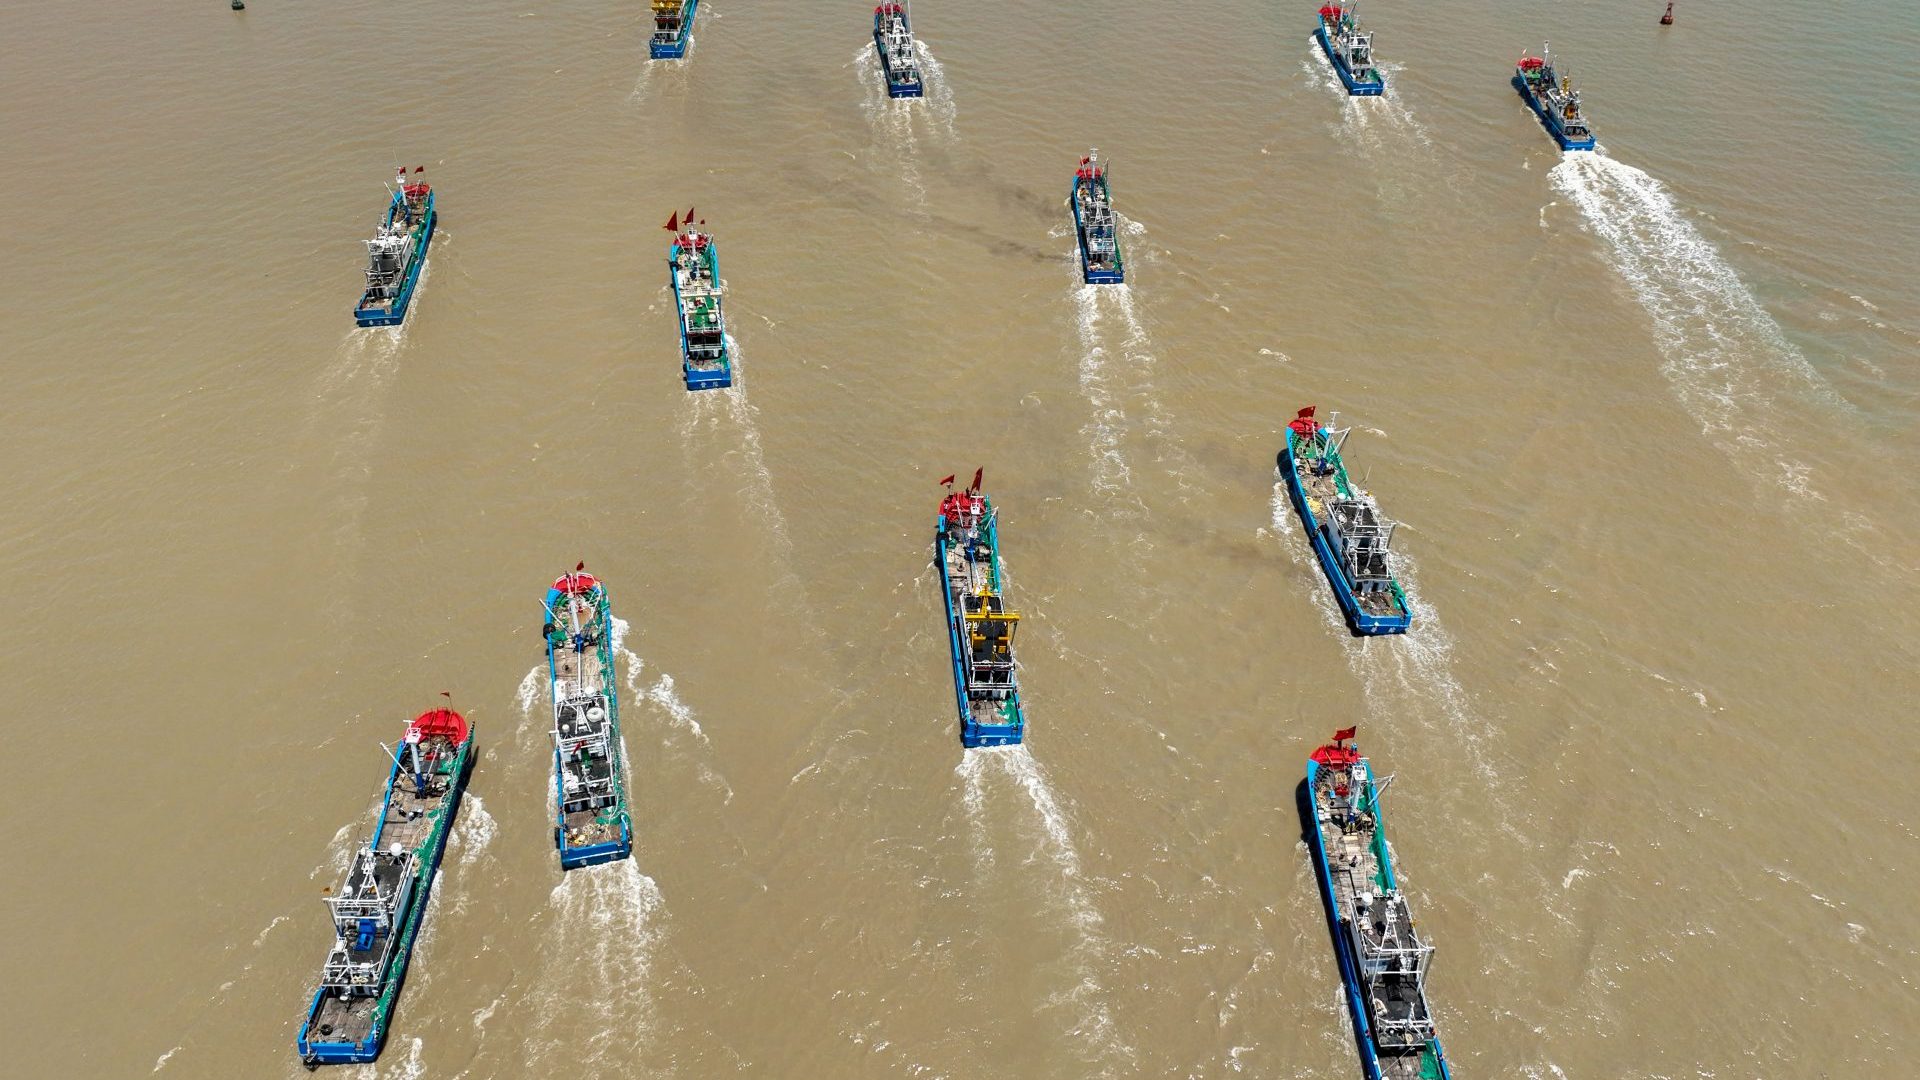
[356,977]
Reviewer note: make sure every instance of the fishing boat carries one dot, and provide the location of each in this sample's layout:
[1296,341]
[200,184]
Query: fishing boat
[672,28]
[1347,531]
[1552,97]
[980,627]
[1094,224]
[378,910]
[697,292]
[1383,962]
[591,820]
[397,252]
[893,40]
[1350,50]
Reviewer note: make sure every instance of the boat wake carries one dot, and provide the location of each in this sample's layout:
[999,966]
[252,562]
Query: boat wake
[605,932]
[728,407]
[1729,364]
[411,1067]
[983,767]
[527,698]
[1116,376]
[898,123]
[1401,675]
[662,694]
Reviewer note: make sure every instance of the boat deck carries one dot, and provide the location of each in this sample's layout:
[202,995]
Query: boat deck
[343,1020]
[1355,868]
[965,579]
[581,681]
[1321,491]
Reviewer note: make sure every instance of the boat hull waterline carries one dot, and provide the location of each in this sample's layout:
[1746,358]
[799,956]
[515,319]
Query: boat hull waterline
[979,627]
[348,1016]
[1376,617]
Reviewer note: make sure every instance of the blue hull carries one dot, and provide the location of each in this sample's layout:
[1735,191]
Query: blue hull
[397,314]
[1354,89]
[972,734]
[572,858]
[696,378]
[1359,621]
[1343,946]
[1087,273]
[368,1049]
[1550,121]
[916,88]
[677,48]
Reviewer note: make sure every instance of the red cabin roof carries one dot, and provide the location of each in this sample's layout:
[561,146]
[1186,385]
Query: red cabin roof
[1335,755]
[575,584]
[1532,63]
[1330,12]
[440,722]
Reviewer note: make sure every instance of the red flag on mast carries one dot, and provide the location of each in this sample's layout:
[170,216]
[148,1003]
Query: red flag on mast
[419,168]
[689,218]
[977,474]
[581,565]
[948,482]
[1343,734]
[673,223]
[1306,412]
[448,694]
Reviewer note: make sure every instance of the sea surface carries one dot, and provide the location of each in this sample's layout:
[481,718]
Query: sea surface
[1650,419]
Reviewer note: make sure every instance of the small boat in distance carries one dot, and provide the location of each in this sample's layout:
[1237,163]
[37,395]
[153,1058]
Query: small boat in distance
[980,627]
[893,40]
[1667,19]
[397,252]
[1346,529]
[1383,961]
[1350,50]
[697,292]
[672,28]
[1094,223]
[592,824]
[378,911]
[1552,97]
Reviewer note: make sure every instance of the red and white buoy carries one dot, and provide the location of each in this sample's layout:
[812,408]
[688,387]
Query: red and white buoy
[1667,19]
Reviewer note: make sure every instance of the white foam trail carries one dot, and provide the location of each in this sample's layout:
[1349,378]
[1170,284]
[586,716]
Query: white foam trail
[262,937]
[1726,357]
[662,693]
[411,1067]
[533,724]
[604,937]
[940,106]
[473,832]
[1087,996]
[742,414]
[1111,473]
[1401,675]
[161,1062]
[892,119]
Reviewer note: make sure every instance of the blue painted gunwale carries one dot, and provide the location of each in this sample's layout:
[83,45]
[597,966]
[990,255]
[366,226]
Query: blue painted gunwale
[573,858]
[1354,87]
[397,314]
[678,48]
[698,378]
[1343,944]
[368,1049]
[972,734]
[1548,118]
[914,89]
[1116,276]
[1358,621]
